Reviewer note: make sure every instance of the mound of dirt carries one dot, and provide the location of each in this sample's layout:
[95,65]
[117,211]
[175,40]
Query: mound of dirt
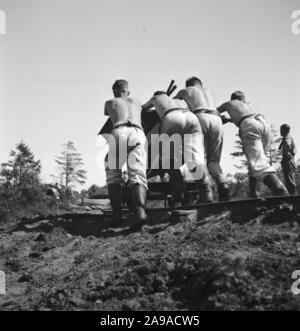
[213,263]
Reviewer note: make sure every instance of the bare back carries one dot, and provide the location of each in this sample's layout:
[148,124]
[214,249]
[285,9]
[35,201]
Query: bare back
[237,110]
[197,98]
[121,110]
[163,103]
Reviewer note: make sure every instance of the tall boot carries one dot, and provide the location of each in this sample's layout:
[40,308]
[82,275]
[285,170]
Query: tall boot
[205,191]
[275,185]
[115,197]
[139,195]
[254,194]
[223,192]
[177,187]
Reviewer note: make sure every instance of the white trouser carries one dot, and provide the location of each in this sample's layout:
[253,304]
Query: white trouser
[212,128]
[184,127]
[127,145]
[256,139]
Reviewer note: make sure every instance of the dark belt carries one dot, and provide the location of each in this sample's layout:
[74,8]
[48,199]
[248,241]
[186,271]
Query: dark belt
[207,111]
[256,116]
[128,124]
[174,109]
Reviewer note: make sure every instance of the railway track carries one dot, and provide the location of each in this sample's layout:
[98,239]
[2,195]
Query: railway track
[268,202]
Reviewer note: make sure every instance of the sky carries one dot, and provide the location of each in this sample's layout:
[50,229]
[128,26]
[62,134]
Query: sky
[59,59]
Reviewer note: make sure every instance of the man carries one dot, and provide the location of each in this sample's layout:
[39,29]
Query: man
[256,137]
[202,103]
[126,145]
[176,119]
[288,162]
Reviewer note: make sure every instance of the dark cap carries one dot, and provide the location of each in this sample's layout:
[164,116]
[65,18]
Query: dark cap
[120,83]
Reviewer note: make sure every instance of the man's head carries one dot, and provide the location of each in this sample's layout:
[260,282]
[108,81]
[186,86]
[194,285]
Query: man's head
[285,130]
[157,93]
[120,88]
[193,81]
[238,95]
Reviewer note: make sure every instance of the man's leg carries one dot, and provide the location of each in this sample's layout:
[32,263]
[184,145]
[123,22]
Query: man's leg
[252,135]
[214,152]
[113,179]
[194,158]
[204,184]
[205,188]
[137,166]
[289,178]
[177,186]
[114,162]
[253,182]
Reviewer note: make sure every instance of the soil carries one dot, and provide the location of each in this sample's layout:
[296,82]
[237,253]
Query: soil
[239,260]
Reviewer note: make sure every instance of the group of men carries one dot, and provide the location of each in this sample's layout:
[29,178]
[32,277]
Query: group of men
[193,115]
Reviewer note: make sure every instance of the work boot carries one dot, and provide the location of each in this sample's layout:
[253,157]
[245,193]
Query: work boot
[275,185]
[139,195]
[254,194]
[205,192]
[115,197]
[223,192]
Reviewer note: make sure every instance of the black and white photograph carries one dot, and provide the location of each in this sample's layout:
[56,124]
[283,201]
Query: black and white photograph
[148,158]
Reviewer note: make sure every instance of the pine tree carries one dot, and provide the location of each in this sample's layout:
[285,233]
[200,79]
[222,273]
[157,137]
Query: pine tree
[274,153]
[21,190]
[238,153]
[22,169]
[70,166]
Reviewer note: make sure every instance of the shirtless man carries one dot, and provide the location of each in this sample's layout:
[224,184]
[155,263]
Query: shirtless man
[176,119]
[202,103]
[288,162]
[256,137]
[126,145]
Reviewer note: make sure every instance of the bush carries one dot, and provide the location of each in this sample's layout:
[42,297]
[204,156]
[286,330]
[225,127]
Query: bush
[96,192]
[30,201]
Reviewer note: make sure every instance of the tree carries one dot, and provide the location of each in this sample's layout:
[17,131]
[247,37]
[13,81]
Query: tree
[22,168]
[70,166]
[274,153]
[21,191]
[96,192]
[238,153]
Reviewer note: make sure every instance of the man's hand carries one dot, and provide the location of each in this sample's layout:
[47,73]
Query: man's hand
[147,106]
[226,120]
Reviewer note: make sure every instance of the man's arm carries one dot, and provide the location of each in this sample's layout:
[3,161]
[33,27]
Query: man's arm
[148,105]
[106,112]
[223,109]
[179,95]
[287,149]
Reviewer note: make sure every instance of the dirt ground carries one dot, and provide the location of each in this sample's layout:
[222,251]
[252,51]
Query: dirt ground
[240,260]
